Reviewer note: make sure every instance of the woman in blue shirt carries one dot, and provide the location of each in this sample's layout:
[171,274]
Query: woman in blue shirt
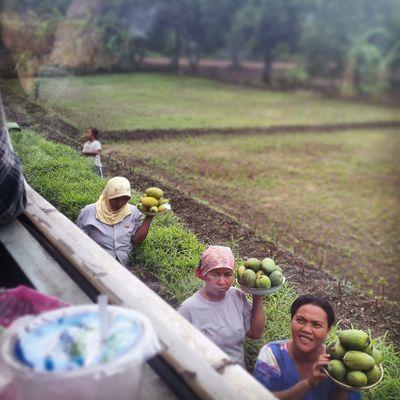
[292,369]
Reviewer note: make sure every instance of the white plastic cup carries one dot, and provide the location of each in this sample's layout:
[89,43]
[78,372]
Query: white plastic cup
[117,379]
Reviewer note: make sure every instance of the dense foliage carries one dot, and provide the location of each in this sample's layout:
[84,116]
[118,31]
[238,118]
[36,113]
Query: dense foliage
[356,43]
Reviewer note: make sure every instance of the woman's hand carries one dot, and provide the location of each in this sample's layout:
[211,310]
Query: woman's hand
[316,374]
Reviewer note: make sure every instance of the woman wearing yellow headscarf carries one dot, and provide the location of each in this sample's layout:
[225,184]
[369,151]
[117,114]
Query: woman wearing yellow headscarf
[113,223]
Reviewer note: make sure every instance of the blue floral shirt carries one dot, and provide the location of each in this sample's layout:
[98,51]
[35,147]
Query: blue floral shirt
[276,370]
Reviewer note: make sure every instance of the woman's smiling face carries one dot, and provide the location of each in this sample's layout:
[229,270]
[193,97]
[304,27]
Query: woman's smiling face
[309,327]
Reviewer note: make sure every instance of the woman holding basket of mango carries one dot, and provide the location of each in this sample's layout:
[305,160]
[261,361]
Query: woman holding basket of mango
[222,312]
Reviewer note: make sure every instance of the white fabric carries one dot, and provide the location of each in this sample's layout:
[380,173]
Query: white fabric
[225,322]
[267,356]
[91,147]
[115,239]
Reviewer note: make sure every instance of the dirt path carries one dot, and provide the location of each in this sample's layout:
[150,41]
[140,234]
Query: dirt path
[213,226]
[153,134]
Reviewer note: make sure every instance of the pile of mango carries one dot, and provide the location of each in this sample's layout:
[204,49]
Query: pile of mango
[257,273]
[355,361]
[154,201]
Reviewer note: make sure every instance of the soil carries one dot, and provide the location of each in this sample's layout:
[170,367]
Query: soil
[153,134]
[212,226]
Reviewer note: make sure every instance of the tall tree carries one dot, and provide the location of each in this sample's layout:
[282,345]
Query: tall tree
[267,24]
[354,41]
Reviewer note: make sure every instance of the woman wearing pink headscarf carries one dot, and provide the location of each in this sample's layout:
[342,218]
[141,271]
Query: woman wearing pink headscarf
[222,312]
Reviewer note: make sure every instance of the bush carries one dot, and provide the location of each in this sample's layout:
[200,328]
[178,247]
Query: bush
[295,78]
[58,173]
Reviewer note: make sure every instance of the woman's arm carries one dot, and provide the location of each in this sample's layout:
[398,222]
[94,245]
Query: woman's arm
[257,319]
[141,233]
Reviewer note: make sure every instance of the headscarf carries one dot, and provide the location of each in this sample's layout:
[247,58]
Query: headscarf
[215,257]
[115,187]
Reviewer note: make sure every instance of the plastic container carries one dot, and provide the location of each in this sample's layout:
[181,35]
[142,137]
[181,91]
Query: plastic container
[116,379]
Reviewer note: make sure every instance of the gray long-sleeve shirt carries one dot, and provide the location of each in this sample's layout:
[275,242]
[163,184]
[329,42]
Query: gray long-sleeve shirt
[115,239]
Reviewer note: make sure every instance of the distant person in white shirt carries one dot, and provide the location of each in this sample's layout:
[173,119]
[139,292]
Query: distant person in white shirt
[92,149]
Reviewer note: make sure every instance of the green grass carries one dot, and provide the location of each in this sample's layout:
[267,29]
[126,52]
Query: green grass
[149,101]
[332,198]
[170,252]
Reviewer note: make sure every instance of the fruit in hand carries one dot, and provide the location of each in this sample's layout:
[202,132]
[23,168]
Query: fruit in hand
[276,278]
[253,263]
[249,278]
[359,358]
[376,355]
[149,201]
[356,360]
[263,282]
[268,265]
[354,339]
[356,378]
[155,192]
[253,273]
[373,375]
[153,201]
[337,369]
[336,350]
[240,271]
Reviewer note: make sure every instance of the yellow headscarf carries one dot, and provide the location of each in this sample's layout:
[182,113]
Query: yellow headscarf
[115,187]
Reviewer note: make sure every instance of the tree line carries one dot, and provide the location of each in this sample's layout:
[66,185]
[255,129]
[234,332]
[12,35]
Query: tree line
[354,42]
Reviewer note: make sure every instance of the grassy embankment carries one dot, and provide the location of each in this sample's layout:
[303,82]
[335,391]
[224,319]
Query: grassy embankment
[170,252]
[157,101]
[331,198]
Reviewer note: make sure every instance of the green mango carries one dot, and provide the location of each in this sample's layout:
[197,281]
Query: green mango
[240,271]
[373,375]
[354,339]
[162,201]
[154,209]
[253,263]
[356,378]
[149,202]
[141,207]
[249,278]
[358,361]
[268,265]
[276,278]
[162,209]
[259,273]
[368,349]
[337,369]
[376,355]
[278,268]
[263,282]
[154,192]
[336,350]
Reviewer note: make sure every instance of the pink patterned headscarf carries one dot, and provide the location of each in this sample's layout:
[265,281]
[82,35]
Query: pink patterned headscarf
[215,257]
